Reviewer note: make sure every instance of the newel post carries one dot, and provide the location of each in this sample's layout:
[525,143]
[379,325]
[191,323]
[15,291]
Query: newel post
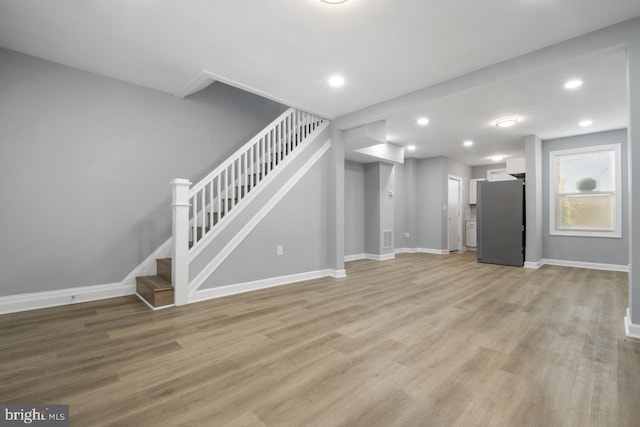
[180,245]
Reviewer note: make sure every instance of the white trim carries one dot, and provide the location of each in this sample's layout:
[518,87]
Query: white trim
[616,233]
[202,244]
[589,265]
[46,299]
[432,251]
[152,307]
[213,265]
[632,330]
[533,264]
[405,250]
[238,288]
[384,257]
[204,78]
[355,257]
[338,274]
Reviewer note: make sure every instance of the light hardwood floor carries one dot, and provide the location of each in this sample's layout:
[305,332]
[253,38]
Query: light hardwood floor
[423,340]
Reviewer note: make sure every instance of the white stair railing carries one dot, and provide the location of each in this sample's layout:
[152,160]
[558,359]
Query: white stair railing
[201,208]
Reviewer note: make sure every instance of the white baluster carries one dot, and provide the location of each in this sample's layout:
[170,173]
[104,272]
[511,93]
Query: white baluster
[219,196]
[211,204]
[204,212]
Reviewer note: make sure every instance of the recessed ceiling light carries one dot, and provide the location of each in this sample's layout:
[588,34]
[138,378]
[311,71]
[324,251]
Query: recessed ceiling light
[497,158]
[507,122]
[411,147]
[334,1]
[467,143]
[336,81]
[573,84]
[586,123]
[422,121]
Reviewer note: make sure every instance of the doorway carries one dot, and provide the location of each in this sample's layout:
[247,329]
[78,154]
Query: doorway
[454,214]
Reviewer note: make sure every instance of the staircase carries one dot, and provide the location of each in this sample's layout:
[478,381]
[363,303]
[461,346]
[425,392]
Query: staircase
[157,290]
[212,200]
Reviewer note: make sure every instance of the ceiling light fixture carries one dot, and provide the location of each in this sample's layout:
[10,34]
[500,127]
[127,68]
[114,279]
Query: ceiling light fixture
[573,84]
[411,147]
[507,122]
[336,81]
[422,121]
[585,123]
[334,1]
[467,143]
[497,158]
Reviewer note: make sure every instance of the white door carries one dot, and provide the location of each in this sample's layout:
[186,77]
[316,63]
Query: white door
[453,209]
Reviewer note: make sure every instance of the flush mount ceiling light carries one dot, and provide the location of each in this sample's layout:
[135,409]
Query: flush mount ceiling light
[585,123]
[333,1]
[422,121]
[573,84]
[467,143]
[497,158]
[507,122]
[336,81]
[411,147]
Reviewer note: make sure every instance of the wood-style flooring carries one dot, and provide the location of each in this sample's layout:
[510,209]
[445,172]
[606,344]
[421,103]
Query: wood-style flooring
[422,340]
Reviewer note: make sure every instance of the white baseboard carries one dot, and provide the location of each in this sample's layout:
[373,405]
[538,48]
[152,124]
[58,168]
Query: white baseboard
[533,264]
[375,257]
[589,265]
[338,274]
[238,288]
[432,251]
[46,299]
[372,257]
[354,257]
[406,251]
[632,330]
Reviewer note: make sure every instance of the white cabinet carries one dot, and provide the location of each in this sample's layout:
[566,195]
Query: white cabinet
[473,190]
[471,233]
[516,165]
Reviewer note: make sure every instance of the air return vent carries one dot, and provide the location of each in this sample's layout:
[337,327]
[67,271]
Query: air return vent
[387,239]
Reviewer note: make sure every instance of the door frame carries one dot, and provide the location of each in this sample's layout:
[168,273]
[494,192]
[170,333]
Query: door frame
[459,222]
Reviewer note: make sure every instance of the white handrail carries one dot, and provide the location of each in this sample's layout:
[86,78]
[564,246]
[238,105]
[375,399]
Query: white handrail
[195,188]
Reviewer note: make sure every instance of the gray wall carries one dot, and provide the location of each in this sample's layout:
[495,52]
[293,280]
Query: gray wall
[85,165]
[430,202]
[379,206]
[399,206]
[354,208]
[586,249]
[410,195]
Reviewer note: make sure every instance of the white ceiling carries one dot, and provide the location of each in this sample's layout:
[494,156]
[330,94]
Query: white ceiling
[538,98]
[287,49]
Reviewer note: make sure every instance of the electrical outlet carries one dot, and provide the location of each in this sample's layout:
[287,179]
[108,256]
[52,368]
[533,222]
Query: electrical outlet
[279,250]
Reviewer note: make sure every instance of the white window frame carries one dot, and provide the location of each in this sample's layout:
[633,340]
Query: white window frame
[553,192]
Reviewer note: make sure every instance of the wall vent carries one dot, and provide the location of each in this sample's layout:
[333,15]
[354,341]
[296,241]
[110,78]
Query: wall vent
[387,239]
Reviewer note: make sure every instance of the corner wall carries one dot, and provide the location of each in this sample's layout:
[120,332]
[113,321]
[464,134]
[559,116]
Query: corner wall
[85,166]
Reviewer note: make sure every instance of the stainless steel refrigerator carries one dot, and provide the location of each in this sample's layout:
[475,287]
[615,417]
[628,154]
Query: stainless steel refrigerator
[501,222]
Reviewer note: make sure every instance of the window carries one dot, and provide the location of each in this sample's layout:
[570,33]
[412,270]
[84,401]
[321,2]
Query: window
[585,192]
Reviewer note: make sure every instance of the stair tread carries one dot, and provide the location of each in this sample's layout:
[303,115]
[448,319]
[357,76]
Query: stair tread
[157,283]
